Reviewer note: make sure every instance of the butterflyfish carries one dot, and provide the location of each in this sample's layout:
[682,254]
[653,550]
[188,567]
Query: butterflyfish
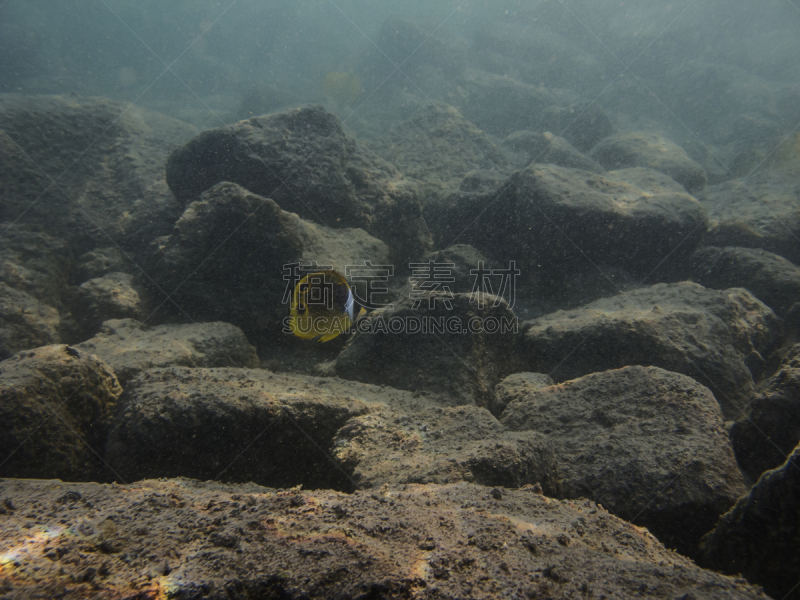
[322,307]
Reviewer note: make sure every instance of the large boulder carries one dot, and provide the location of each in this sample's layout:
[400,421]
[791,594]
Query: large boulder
[226,257]
[303,160]
[25,322]
[763,212]
[770,427]
[759,538]
[205,541]
[231,425]
[56,404]
[457,344]
[644,149]
[87,169]
[648,444]
[415,441]
[112,296]
[672,326]
[769,277]
[130,346]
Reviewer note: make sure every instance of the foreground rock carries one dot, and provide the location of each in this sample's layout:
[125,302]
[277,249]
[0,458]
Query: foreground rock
[647,444]
[414,442]
[129,346]
[235,424]
[671,326]
[769,277]
[770,427]
[424,342]
[759,536]
[55,408]
[304,161]
[642,149]
[204,540]
[107,159]
[227,256]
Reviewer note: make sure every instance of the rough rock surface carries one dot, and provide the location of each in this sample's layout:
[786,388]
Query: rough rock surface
[225,259]
[769,277]
[568,220]
[25,322]
[404,443]
[546,148]
[106,158]
[763,212]
[517,386]
[304,161]
[770,427]
[392,348]
[647,444]
[206,541]
[672,326]
[129,346]
[112,296]
[438,147]
[55,407]
[101,261]
[760,536]
[230,424]
[643,149]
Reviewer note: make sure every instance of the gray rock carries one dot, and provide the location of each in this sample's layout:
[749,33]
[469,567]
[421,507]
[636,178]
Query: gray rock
[465,259]
[770,427]
[546,148]
[229,424]
[461,540]
[56,404]
[566,221]
[226,255]
[411,441]
[303,160]
[102,261]
[769,277]
[643,149]
[112,296]
[516,386]
[392,348]
[758,538]
[25,322]
[672,326]
[130,347]
[438,147]
[762,212]
[647,444]
[108,159]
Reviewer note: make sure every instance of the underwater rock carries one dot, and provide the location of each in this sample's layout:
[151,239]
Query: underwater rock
[112,296]
[758,538]
[438,147]
[99,262]
[106,159]
[416,441]
[56,404]
[561,222]
[304,161]
[546,148]
[763,212]
[648,444]
[672,326]
[187,539]
[36,263]
[644,149]
[770,427]
[230,424]
[424,343]
[516,386]
[130,346]
[769,277]
[25,322]
[225,259]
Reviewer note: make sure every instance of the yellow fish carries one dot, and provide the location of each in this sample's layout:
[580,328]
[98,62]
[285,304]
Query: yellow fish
[322,306]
